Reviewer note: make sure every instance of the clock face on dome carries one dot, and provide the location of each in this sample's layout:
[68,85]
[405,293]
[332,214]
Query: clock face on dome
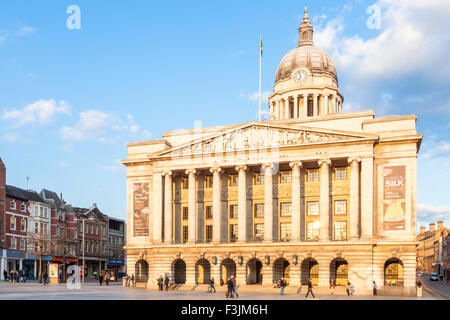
[301,75]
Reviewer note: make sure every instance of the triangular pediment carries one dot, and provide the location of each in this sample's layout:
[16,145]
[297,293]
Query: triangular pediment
[260,135]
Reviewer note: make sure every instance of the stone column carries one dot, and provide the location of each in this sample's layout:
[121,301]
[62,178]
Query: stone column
[367,197]
[327,107]
[168,211]
[315,105]
[324,272]
[192,206]
[305,106]
[296,107]
[354,197]
[216,206]
[324,234]
[333,103]
[242,203]
[286,108]
[157,207]
[296,165]
[278,110]
[268,202]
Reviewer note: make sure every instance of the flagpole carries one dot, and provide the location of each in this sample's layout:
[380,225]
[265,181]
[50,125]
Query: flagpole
[260,58]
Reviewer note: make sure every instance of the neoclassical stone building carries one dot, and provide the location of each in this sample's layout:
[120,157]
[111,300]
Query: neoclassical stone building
[313,192]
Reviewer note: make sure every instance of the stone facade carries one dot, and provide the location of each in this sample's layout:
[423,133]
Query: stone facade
[326,195]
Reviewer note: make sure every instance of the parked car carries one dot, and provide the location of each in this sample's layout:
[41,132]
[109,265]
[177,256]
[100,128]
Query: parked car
[434,277]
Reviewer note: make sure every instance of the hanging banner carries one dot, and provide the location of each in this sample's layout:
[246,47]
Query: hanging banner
[394,200]
[141,208]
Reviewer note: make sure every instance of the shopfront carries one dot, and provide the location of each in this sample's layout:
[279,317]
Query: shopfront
[116,267]
[14,260]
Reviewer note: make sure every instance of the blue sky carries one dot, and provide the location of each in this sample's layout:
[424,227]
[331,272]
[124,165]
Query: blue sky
[71,99]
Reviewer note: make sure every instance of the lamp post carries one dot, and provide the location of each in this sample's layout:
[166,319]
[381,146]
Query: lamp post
[83,246]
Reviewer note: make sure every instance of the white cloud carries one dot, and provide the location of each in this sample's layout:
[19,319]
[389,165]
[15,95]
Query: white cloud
[414,39]
[24,31]
[90,124]
[428,213]
[41,111]
[441,149]
[21,32]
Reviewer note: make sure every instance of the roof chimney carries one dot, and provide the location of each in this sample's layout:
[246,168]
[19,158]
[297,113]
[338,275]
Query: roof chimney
[440,225]
[422,229]
[432,225]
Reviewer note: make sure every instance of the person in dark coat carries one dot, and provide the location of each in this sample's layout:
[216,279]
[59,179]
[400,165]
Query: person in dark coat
[5,274]
[221,282]
[374,288]
[283,285]
[100,278]
[211,285]
[107,278]
[229,293]
[166,282]
[45,278]
[310,286]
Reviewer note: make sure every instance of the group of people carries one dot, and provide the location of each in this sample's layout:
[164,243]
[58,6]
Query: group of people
[106,276]
[231,288]
[130,281]
[348,286]
[14,276]
[163,282]
[281,283]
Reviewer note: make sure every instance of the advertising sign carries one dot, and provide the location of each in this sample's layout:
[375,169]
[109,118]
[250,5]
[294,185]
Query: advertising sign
[394,201]
[141,208]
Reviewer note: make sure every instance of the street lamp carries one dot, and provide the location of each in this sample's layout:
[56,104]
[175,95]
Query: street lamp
[83,245]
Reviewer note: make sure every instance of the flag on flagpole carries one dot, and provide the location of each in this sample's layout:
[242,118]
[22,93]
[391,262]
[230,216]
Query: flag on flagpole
[261,46]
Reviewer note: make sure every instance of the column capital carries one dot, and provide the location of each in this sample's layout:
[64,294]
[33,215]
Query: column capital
[266,166]
[322,162]
[215,168]
[191,171]
[354,160]
[293,164]
[167,172]
[240,167]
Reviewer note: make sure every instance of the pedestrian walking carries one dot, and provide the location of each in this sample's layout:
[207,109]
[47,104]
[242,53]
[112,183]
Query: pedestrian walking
[374,284]
[160,283]
[310,287]
[221,282]
[5,275]
[419,288]
[211,285]
[45,277]
[107,278]
[233,279]
[167,282]
[348,287]
[100,278]
[127,279]
[229,293]
[332,286]
[283,285]
[132,280]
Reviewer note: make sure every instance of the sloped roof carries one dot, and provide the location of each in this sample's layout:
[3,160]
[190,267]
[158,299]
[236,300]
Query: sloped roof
[25,195]
[50,195]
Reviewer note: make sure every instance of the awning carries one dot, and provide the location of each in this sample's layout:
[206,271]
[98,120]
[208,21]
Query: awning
[72,260]
[55,259]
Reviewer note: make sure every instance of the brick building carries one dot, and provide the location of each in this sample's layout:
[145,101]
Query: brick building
[2,216]
[116,241]
[427,248]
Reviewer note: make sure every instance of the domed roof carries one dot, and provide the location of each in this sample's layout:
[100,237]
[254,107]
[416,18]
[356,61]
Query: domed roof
[306,55]
[309,56]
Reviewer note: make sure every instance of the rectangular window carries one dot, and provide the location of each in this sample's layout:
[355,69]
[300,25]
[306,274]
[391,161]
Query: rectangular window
[22,244]
[285,231]
[285,177]
[23,207]
[233,211]
[12,205]
[259,210]
[185,213]
[259,178]
[208,182]
[209,233]
[36,210]
[92,228]
[259,231]
[36,227]
[313,175]
[184,183]
[13,243]
[96,229]
[340,174]
[233,180]
[103,231]
[310,108]
[12,223]
[340,207]
[286,209]
[312,231]
[41,211]
[208,212]
[233,232]
[23,225]
[185,234]
[340,230]
[312,208]
[45,213]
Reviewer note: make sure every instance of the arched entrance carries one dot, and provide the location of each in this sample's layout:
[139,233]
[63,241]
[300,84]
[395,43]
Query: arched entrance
[202,271]
[179,271]
[254,267]
[228,269]
[281,269]
[393,272]
[310,269]
[141,271]
[339,271]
